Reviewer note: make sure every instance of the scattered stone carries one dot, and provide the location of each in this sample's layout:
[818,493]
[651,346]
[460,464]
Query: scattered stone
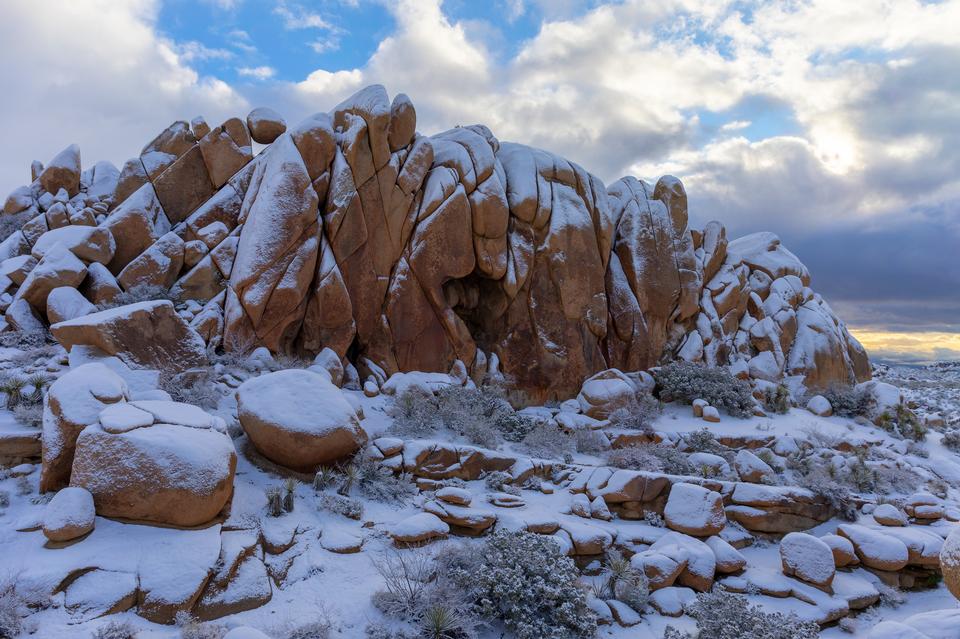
[820,405]
[69,515]
[889,515]
[418,528]
[711,414]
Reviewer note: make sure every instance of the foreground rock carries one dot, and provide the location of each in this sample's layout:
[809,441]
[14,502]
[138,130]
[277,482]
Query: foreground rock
[694,510]
[144,335]
[298,419]
[70,514]
[950,562]
[167,463]
[71,404]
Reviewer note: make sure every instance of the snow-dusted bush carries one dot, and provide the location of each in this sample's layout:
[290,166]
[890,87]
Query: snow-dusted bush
[847,401]
[376,482]
[548,441]
[685,382]
[658,458]
[703,441]
[193,628]
[145,293]
[313,629]
[653,518]
[29,341]
[591,442]
[4,499]
[414,412]
[514,426]
[951,440]
[903,422]
[624,583]
[350,508]
[115,630]
[29,414]
[500,482]
[777,400]
[10,224]
[12,609]
[524,581]
[819,481]
[197,387]
[639,413]
[724,615]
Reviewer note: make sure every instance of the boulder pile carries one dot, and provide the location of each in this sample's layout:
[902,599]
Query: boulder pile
[352,231]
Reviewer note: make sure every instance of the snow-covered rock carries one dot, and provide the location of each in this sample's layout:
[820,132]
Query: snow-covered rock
[298,418]
[820,405]
[70,514]
[843,551]
[875,548]
[710,414]
[606,392]
[418,528]
[694,510]
[805,557]
[72,402]
[950,562]
[889,515]
[265,125]
[752,469]
[169,473]
[144,335]
[66,303]
[245,632]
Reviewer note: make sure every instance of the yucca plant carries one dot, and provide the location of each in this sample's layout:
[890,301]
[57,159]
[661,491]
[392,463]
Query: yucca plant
[274,501]
[440,622]
[350,475]
[324,478]
[290,485]
[13,387]
[39,381]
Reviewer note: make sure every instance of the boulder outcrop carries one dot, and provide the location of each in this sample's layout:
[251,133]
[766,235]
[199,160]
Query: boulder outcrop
[351,231]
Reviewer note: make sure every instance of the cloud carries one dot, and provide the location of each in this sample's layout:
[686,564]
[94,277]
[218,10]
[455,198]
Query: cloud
[296,17]
[110,93]
[257,73]
[193,50]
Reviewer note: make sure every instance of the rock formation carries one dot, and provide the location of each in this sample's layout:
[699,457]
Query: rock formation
[402,252]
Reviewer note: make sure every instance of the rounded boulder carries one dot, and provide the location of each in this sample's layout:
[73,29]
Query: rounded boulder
[298,419]
[950,562]
[70,514]
[265,125]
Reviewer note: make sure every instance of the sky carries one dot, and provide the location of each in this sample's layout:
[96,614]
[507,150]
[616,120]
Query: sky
[833,123]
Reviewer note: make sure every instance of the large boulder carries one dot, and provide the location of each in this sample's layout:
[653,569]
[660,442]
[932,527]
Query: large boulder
[73,402]
[161,462]
[950,562]
[59,267]
[298,419]
[605,393]
[63,172]
[694,510]
[265,125]
[805,557]
[144,335]
[89,243]
[66,303]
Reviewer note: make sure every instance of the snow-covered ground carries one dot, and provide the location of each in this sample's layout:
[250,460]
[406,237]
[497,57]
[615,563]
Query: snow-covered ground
[310,577]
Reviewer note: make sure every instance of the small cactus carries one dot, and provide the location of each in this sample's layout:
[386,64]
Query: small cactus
[289,495]
[274,502]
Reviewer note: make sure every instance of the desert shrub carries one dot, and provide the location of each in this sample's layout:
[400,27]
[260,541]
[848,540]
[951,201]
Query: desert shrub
[638,414]
[193,628]
[27,340]
[685,382]
[623,582]
[377,482]
[197,387]
[724,615]
[548,441]
[4,499]
[847,401]
[350,508]
[311,629]
[777,400]
[274,501]
[10,224]
[703,441]
[514,426]
[144,293]
[29,414]
[117,630]
[501,482]
[657,458]
[890,597]
[591,442]
[524,581]
[418,593]
[12,609]
[951,440]
[822,484]
[414,412]
[653,518]
[903,422]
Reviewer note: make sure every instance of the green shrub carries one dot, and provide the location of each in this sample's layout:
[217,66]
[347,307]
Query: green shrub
[685,382]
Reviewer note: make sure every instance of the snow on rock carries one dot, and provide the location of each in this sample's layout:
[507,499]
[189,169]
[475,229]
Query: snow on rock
[119,418]
[101,592]
[70,514]
[265,125]
[752,469]
[670,601]
[89,243]
[59,267]
[820,405]
[937,624]
[418,528]
[298,418]
[694,510]
[454,495]
[74,401]
[710,414]
[62,172]
[894,630]
[843,552]
[164,473]
[144,335]
[807,558]
[889,515]
[875,548]
[883,397]
[729,559]
[248,587]
[950,562]
[66,303]
[605,393]
[399,383]
[698,560]
[245,632]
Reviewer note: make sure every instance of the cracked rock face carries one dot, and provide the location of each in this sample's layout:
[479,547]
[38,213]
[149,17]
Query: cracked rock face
[400,252]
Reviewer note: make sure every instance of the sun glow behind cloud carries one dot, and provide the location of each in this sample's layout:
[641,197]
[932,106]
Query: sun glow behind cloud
[909,347]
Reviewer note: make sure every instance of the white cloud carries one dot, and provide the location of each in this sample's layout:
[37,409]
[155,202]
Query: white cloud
[193,50]
[736,125]
[296,17]
[257,73]
[110,92]
[322,45]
